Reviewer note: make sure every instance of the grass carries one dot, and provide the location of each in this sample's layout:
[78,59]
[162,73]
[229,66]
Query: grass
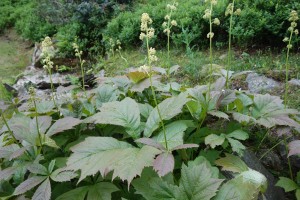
[192,70]
[15,56]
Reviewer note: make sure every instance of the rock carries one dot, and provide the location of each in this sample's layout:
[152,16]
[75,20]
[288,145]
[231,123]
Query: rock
[89,80]
[295,82]
[11,89]
[223,56]
[273,192]
[257,83]
[271,160]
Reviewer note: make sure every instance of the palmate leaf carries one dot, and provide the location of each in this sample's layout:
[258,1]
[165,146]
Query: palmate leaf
[237,189]
[125,113]
[214,140]
[137,76]
[107,154]
[269,111]
[29,184]
[105,93]
[168,108]
[43,192]
[99,191]
[174,133]
[196,183]
[232,163]
[63,124]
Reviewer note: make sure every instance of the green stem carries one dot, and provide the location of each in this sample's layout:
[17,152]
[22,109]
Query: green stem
[287,71]
[265,136]
[154,95]
[37,127]
[52,89]
[82,74]
[273,148]
[229,47]
[288,158]
[210,51]
[12,135]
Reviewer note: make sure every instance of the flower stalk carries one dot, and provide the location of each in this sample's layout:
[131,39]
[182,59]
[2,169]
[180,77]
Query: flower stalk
[292,29]
[148,33]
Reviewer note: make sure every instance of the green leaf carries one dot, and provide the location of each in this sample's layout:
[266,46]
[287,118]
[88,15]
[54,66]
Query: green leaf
[174,133]
[232,163]
[236,145]
[37,168]
[168,108]
[44,106]
[238,134]
[99,191]
[219,114]
[256,178]
[63,124]
[237,189]
[125,113]
[61,175]
[197,182]
[107,154]
[269,111]
[242,118]
[29,184]
[145,109]
[142,85]
[206,186]
[287,184]
[137,76]
[298,194]
[214,140]
[105,93]
[43,191]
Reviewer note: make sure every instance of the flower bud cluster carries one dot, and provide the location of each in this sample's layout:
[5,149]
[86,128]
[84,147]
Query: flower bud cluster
[213,2]
[293,19]
[146,31]
[76,49]
[230,10]
[48,52]
[169,23]
[152,56]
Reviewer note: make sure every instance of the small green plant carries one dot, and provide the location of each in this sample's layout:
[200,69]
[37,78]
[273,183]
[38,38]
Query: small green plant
[48,53]
[210,35]
[78,54]
[292,29]
[167,25]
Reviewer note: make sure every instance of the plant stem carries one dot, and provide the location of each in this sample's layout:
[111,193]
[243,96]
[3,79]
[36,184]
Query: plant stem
[82,74]
[12,135]
[287,71]
[273,148]
[52,89]
[265,136]
[37,126]
[153,93]
[288,158]
[210,51]
[229,47]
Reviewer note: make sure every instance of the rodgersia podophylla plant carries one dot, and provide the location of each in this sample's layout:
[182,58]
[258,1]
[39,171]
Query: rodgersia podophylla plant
[48,53]
[230,11]
[210,35]
[78,54]
[146,34]
[167,25]
[293,18]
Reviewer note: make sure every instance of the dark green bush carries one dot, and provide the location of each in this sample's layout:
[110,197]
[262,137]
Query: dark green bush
[261,23]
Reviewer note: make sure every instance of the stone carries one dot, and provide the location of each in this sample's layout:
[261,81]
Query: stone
[294,82]
[259,83]
[273,192]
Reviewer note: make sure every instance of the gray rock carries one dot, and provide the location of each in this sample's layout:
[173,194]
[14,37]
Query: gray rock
[273,192]
[258,83]
[295,82]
